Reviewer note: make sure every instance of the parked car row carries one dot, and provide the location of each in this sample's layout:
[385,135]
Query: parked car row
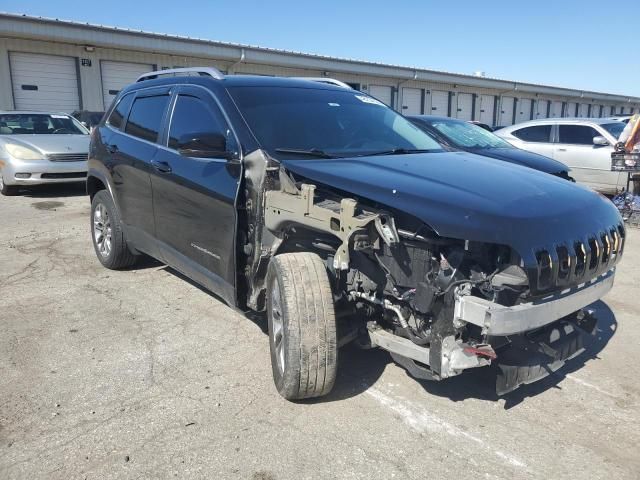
[340,220]
[583,145]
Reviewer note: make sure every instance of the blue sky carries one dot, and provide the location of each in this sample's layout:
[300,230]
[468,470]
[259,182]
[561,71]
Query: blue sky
[578,44]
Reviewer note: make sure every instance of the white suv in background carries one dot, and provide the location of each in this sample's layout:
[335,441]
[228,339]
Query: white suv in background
[583,144]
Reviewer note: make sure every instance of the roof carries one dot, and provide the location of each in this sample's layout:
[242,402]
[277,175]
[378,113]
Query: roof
[15,25]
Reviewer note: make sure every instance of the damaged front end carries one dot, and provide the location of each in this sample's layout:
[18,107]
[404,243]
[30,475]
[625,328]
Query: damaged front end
[439,305]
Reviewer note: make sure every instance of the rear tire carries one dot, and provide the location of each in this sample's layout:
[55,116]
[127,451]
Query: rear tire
[7,190]
[108,237]
[302,326]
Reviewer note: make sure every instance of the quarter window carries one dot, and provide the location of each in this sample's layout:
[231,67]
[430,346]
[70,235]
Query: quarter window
[145,118]
[193,116]
[116,119]
[577,134]
[537,133]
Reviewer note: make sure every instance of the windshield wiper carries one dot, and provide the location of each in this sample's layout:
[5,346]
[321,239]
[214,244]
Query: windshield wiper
[312,152]
[397,151]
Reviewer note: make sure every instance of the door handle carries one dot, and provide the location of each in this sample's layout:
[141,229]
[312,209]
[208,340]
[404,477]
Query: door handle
[112,148]
[162,167]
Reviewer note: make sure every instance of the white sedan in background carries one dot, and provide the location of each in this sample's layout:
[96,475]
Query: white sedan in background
[38,148]
[583,144]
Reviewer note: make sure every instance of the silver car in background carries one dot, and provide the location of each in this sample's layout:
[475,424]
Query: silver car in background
[583,144]
[38,148]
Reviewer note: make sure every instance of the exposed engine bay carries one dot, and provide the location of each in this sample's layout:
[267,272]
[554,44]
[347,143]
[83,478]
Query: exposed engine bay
[438,305]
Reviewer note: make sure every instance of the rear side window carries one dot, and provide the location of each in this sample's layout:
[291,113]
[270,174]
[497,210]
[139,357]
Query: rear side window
[190,116]
[146,115]
[116,119]
[538,133]
[577,134]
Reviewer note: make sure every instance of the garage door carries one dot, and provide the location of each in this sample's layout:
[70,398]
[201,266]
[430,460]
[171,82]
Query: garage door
[465,106]
[381,93]
[44,82]
[556,110]
[571,110]
[583,110]
[439,103]
[523,111]
[117,75]
[412,101]
[595,111]
[487,103]
[541,108]
[506,111]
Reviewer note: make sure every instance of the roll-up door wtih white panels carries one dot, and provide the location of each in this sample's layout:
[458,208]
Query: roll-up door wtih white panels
[506,111]
[117,75]
[487,104]
[523,110]
[583,110]
[439,103]
[382,93]
[44,82]
[541,108]
[465,106]
[556,110]
[571,110]
[595,111]
[411,101]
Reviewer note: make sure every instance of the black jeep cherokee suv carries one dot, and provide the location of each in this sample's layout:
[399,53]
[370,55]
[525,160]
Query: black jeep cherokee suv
[344,222]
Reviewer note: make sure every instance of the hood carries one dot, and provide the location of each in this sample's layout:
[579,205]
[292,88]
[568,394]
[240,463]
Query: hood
[46,144]
[522,157]
[466,196]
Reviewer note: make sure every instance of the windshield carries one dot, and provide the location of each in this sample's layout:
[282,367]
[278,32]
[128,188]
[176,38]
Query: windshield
[40,124]
[615,129]
[326,123]
[467,135]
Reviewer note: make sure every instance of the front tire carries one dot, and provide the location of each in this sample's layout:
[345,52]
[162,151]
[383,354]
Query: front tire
[302,326]
[7,190]
[108,237]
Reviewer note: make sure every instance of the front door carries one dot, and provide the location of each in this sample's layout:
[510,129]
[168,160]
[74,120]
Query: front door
[590,164]
[194,198]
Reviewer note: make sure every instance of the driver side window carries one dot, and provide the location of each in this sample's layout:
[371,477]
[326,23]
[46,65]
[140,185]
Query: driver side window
[193,116]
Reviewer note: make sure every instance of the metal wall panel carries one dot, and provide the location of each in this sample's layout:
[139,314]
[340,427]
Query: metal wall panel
[44,82]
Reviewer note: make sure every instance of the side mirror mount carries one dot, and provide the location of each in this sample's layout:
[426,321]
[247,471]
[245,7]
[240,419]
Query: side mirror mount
[600,141]
[204,145]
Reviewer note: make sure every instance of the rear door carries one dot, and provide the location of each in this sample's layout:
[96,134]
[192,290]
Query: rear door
[132,152]
[194,198]
[590,164]
[536,138]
